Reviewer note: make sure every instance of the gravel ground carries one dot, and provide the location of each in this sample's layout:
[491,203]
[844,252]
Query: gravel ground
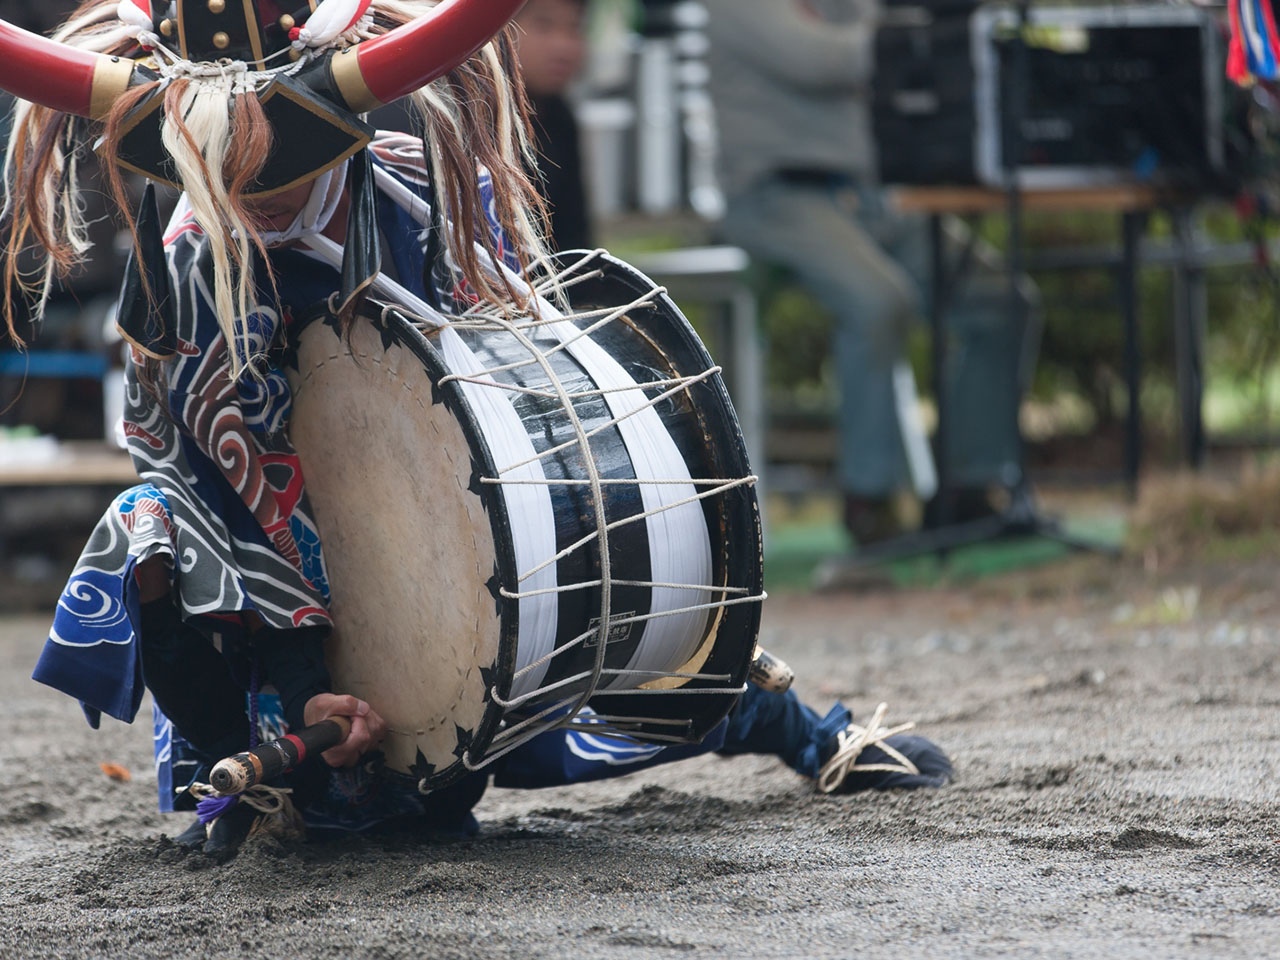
[1116,749]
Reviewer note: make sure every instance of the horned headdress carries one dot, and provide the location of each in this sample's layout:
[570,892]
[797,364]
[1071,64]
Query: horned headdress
[233,100]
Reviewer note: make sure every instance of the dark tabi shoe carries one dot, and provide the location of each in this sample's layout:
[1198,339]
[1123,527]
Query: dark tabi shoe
[192,838]
[229,831]
[875,757]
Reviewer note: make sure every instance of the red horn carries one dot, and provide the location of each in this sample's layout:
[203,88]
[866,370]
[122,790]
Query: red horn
[389,67]
[59,76]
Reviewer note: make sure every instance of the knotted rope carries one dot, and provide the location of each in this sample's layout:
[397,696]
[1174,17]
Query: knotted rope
[853,740]
[263,798]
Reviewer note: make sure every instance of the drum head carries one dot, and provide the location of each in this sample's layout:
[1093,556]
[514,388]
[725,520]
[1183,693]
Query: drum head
[412,540]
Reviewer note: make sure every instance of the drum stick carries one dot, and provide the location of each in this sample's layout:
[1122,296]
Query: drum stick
[770,673]
[235,775]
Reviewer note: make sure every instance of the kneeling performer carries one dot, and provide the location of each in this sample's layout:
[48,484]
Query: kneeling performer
[297,222]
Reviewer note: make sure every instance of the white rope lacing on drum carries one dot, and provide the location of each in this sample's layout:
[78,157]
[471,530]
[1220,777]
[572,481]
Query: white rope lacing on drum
[583,637]
[479,321]
[601,534]
[625,521]
[479,314]
[582,334]
[589,584]
[613,421]
[669,387]
[516,734]
[570,329]
[611,481]
[564,711]
[584,394]
[577,678]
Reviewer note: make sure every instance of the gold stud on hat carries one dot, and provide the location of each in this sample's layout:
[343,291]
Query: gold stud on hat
[166,27]
[217,6]
[221,40]
[286,22]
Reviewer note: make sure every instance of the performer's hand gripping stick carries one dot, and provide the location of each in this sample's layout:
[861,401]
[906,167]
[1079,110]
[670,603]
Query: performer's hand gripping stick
[235,775]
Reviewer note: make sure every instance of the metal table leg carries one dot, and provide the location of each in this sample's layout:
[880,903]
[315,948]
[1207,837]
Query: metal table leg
[1190,315]
[747,386]
[1131,226]
[938,304]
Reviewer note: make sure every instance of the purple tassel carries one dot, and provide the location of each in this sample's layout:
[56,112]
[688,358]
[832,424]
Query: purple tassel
[210,808]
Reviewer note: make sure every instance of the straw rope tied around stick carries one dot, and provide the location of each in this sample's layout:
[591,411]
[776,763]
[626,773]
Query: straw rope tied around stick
[261,797]
[239,779]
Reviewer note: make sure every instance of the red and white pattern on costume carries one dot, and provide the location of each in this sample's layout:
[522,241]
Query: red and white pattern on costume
[187,224]
[211,417]
[289,497]
[144,507]
[211,440]
[135,431]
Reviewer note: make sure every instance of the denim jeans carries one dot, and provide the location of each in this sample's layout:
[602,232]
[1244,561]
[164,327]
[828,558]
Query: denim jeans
[870,267]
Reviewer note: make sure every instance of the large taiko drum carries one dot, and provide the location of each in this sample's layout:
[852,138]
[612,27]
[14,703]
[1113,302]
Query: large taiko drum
[530,520]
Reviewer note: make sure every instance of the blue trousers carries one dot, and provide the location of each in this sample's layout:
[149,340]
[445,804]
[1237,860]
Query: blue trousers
[761,722]
[869,266]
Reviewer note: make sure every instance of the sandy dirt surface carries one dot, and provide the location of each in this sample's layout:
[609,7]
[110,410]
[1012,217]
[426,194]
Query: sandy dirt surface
[1117,748]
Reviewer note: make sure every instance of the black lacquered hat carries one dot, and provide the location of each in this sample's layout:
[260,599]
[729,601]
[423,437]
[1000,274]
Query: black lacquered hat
[308,66]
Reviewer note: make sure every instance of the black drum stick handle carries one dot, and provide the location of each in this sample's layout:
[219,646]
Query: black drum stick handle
[235,775]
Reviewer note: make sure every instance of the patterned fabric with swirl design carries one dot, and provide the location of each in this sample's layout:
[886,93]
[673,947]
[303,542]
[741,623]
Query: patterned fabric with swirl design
[223,496]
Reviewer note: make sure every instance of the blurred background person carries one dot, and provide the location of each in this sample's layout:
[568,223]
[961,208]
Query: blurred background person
[552,46]
[791,81]
[551,41]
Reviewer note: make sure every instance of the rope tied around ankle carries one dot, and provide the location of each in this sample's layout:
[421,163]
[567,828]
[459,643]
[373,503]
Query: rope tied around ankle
[853,740]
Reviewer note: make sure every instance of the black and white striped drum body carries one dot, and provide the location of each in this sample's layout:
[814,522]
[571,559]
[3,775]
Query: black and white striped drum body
[523,518]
